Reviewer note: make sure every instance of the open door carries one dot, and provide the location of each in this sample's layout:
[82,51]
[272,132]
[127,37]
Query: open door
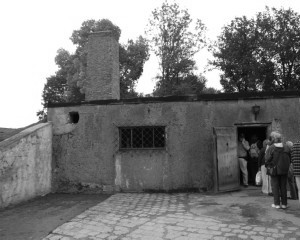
[227,175]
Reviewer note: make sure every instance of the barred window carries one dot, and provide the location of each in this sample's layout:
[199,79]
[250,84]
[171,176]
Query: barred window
[142,137]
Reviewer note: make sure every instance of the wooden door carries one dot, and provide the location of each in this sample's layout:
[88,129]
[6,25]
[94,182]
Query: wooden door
[226,161]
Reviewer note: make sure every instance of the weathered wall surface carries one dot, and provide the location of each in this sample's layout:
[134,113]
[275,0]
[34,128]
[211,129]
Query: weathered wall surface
[87,153]
[25,164]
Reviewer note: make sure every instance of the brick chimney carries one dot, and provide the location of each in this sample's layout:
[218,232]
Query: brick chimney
[103,75]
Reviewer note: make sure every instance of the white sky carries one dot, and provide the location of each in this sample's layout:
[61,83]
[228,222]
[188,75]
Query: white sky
[33,30]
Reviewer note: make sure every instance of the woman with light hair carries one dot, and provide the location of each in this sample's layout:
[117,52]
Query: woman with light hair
[276,136]
[278,155]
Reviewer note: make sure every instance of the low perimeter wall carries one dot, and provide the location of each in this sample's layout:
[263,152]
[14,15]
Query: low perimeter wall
[25,164]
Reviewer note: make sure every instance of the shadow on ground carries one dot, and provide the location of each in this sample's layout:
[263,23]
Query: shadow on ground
[249,206]
[36,218]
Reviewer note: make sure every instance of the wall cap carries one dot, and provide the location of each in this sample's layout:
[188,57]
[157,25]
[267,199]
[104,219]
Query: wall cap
[15,138]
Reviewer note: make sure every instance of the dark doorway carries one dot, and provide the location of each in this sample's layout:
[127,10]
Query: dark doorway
[260,132]
[253,134]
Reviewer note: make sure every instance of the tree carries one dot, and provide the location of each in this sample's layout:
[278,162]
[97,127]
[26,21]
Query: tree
[260,53]
[210,90]
[192,84]
[280,45]
[54,91]
[70,70]
[133,56]
[235,53]
[175,45]
[67,84]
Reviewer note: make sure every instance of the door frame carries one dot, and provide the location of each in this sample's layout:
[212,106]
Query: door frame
[269,126]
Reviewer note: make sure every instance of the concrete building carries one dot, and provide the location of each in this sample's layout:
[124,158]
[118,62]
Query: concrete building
[157,144]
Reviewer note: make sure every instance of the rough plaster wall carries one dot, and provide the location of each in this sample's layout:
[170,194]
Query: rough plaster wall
[282,114]
[155,169]
[138,173]
[83,156]
[89,153]
[25,165]
[200,145]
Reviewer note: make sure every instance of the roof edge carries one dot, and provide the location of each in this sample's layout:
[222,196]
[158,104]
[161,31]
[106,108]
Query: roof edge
[187,98]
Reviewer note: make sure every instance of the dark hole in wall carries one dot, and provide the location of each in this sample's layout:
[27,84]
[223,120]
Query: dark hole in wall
[259,132]
[252,165]
[74,117]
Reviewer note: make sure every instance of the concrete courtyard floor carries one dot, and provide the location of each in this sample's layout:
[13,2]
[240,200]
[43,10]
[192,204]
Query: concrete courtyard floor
[245,214]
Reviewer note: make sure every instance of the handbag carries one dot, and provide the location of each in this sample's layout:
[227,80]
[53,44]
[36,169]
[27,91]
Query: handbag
[272,170]
[258,179]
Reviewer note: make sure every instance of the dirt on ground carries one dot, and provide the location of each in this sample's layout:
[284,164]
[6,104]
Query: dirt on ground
[35,219]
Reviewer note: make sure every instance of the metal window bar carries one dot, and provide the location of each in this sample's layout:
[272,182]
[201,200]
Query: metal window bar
[142,138]
[131,141]
[148,137]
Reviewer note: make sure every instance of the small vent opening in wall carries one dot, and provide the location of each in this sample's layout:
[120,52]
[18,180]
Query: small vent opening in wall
[74,117]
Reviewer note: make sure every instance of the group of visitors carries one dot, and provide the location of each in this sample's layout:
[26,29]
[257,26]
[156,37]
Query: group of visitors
[248,155]
[277,162]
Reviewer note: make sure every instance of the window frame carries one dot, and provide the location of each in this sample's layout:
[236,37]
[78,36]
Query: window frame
[131,128]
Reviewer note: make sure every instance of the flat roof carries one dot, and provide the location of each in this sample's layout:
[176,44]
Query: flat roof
[189,98]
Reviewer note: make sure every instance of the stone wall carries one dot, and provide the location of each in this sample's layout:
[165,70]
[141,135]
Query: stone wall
[87,153]
[25,165]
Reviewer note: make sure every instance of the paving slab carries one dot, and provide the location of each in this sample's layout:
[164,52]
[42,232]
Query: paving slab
[244,214]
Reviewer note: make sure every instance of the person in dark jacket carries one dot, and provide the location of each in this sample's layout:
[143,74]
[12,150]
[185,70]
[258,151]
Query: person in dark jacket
[296,164]
[278,155]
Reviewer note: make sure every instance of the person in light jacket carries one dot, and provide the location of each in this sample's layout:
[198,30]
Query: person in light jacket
[266,180]
[278,155]
[243,148]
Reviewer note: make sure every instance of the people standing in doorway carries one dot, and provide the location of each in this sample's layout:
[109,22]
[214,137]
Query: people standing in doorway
[296,164]
[266,183]
[253,161]
[278,155]
[291,178]
[243,148]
